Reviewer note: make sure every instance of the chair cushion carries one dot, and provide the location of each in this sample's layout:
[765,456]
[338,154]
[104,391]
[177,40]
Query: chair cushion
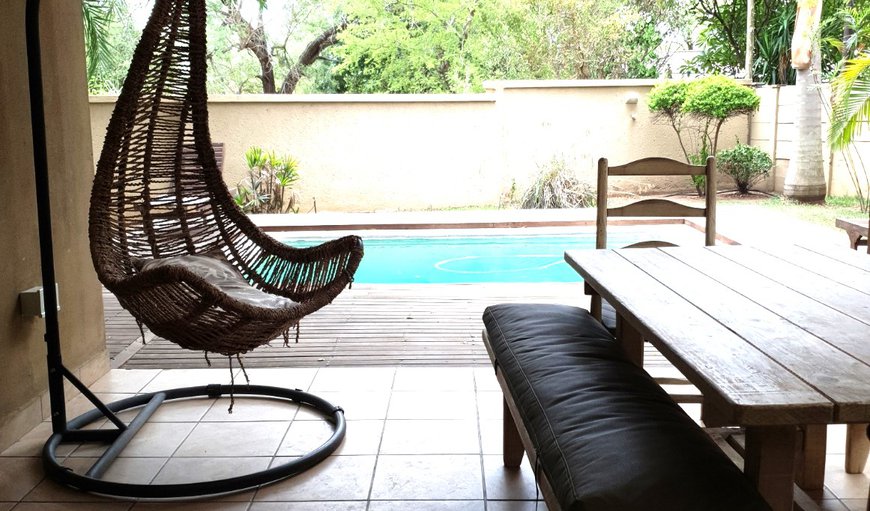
[607,436]
[217,271]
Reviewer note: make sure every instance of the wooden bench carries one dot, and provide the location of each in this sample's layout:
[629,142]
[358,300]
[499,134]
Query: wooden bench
[599,432]
[855,229]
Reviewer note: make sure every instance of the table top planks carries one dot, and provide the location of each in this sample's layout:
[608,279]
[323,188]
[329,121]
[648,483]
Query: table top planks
[736,378]
[773,336]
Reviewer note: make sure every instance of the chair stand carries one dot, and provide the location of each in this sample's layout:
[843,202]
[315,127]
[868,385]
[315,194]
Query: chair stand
[149,403]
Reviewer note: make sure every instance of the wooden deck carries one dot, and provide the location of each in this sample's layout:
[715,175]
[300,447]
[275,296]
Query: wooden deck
[374,325]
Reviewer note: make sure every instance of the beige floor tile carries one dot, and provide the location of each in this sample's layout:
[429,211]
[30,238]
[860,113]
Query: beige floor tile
[515,505]
[843,485]
[434,378]
[345,505]
[134,470]
[832,505]
[285,377]
[855,504]
[6,506]
[491,434]
[18,476]
[124,380]
[356,405]
[176,410]
[49,491]
[432,405]
[305,436]
[155,439]
[431,505]
[31,444]
[190,470]
[490,405]
[172,378]
[836,439]
[485,380]
[362,437]
[504,483]
[248,409]
[218,439]
[191,506]
[430,437]
[73,506]
[80,404]
[335,478]
[332,379]
[424,477]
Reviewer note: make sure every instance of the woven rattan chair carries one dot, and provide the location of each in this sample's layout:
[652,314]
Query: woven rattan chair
[154,199]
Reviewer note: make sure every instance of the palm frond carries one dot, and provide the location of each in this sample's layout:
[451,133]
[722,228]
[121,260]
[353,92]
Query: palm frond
[851,109]
[97,16]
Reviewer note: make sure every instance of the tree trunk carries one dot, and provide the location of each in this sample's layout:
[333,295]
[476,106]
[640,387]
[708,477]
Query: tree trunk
[805,178]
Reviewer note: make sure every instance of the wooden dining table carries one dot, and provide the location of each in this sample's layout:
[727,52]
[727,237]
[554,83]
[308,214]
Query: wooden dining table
[776,338]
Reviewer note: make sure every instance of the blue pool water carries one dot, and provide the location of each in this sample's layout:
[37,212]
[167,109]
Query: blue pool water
[464,259]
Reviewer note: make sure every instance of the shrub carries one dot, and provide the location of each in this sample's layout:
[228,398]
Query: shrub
[745,164]
[697,109]
[269,178]
[556,186]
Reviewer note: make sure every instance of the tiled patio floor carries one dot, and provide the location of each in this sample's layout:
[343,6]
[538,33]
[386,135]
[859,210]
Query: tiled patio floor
[418,438]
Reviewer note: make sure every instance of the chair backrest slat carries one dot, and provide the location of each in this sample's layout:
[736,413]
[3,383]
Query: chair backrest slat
[656,207]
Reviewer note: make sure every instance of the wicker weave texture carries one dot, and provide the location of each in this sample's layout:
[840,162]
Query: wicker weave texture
[151,199]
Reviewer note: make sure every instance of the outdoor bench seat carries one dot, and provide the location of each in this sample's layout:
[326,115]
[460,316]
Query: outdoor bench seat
[598,430]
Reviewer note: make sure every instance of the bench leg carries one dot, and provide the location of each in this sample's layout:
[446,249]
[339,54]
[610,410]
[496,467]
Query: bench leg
[857,448]
[512,448]
[770,463]
[811,471]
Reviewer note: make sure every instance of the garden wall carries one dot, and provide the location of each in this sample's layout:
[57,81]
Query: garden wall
[772,129]
[411,152]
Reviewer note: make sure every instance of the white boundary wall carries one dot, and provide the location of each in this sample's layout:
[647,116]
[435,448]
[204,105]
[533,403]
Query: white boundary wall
[412,152]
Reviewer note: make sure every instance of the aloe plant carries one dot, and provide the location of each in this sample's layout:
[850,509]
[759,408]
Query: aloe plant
[270,177]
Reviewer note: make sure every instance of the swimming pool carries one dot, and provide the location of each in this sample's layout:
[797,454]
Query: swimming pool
[473,255]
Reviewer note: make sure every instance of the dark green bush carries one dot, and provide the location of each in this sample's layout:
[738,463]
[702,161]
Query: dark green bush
[745,164]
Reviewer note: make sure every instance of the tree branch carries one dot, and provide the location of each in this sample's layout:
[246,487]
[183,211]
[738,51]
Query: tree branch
[310,54]
[253,39]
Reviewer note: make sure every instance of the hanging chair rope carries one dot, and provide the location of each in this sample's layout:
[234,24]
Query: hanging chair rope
[158,194]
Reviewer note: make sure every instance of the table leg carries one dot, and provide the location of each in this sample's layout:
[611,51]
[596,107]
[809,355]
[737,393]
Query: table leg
[811,471]
[632,341]
[770,463]
[857,448]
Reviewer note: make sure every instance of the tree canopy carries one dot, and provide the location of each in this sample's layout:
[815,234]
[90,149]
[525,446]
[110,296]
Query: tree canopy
[408,46]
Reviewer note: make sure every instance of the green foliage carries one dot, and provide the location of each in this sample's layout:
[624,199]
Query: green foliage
[109,43]
[668,97]
[269,179]
[745,164]
[851,111]
[556,186]
[719,97]
[723,39]
[697,109]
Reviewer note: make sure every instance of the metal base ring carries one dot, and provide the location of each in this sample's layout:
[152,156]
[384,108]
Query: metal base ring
[64,475]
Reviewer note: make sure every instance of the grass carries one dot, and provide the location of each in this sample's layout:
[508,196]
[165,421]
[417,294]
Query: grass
[821,214]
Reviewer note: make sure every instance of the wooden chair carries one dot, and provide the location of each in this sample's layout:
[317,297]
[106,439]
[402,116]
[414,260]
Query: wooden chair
[602,310]
[650,208]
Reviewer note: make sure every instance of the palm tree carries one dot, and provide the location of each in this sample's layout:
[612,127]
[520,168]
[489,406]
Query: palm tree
[805,179]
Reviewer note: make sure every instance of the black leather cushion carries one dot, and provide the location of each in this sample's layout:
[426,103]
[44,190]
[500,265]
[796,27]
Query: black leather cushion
[608,437]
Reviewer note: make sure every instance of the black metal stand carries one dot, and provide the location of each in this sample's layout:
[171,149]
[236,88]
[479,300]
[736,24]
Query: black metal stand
[120,436]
